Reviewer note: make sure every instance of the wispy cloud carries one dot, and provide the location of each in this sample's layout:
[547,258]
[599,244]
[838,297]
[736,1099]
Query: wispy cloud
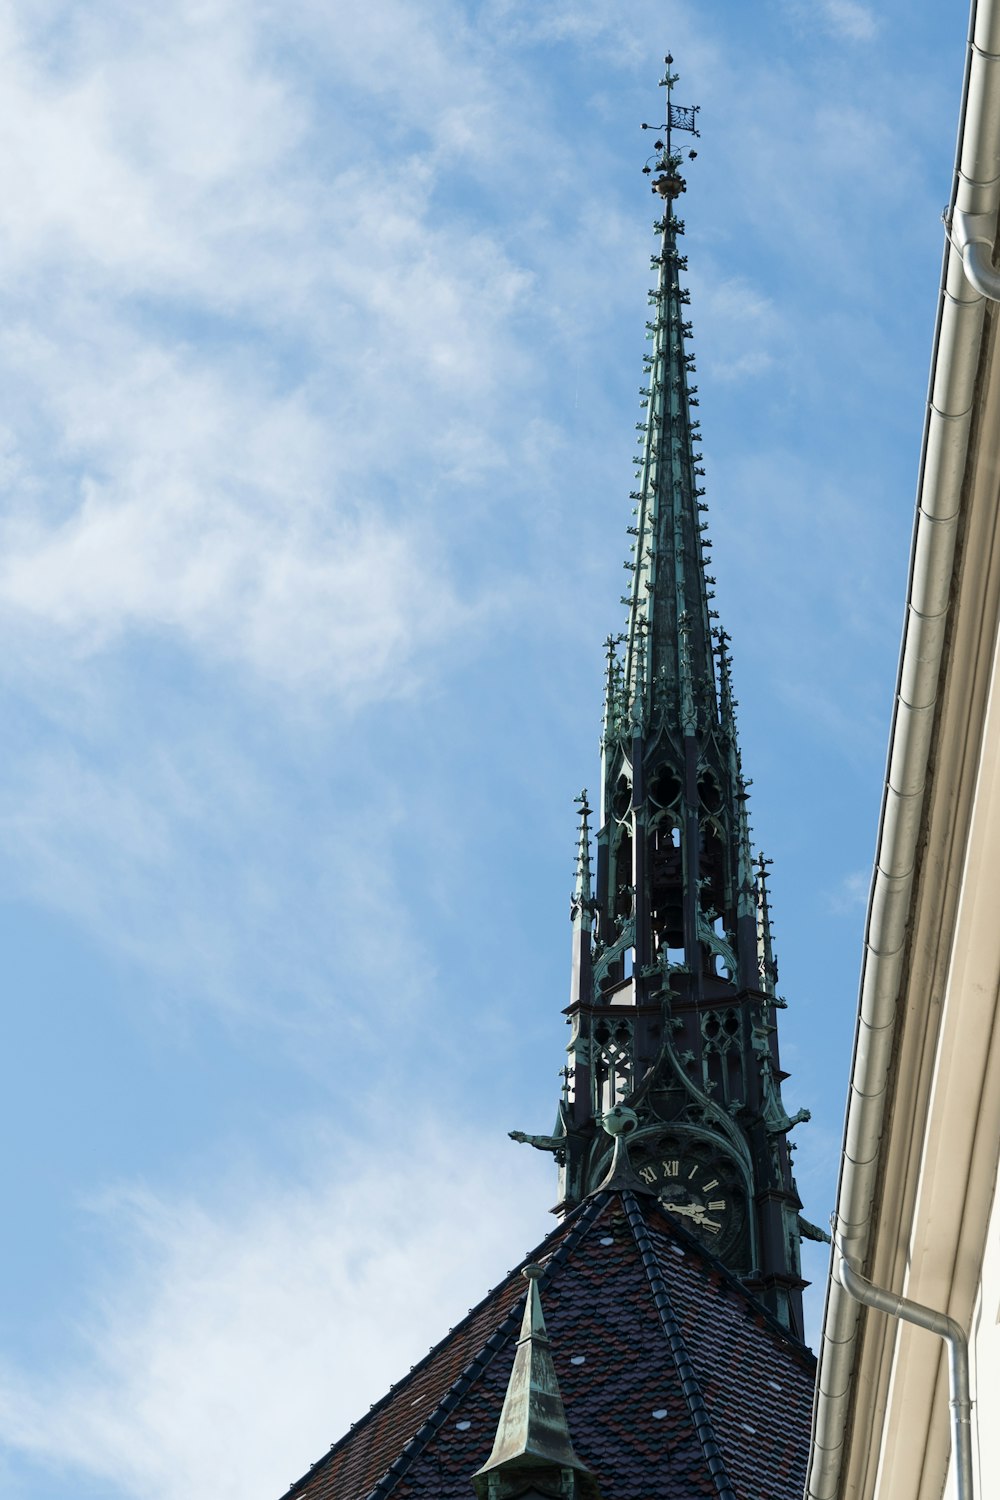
[243,1331]
[755,328]
[850,19]
[255,382]
[846,20]
[744,367]
[850,895]
[282,365]
[205,323]
[170,850]
[738,300]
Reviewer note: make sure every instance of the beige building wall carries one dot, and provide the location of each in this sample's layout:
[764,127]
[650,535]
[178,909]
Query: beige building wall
[986,1361]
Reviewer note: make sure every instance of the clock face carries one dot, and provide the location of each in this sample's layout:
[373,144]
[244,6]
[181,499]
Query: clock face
[700,1191]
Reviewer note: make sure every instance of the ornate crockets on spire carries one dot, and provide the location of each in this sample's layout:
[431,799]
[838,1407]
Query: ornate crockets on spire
[672,1004]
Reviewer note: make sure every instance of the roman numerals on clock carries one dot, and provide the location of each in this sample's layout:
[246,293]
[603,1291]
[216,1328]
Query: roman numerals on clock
[692,1192]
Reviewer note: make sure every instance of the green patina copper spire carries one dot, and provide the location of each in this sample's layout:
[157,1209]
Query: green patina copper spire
[668,653]
[672,1005]
[533,1451]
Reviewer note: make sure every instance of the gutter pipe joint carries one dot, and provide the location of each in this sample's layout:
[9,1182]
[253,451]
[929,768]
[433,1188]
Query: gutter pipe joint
[907,1311]
[973,236]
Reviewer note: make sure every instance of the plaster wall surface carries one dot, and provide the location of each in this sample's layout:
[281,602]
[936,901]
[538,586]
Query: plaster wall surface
[986,1361]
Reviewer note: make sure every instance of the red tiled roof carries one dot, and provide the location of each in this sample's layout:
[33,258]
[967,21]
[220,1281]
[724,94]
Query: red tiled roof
[677,1382]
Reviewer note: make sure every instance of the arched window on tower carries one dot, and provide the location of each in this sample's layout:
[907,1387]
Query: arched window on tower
[708,791]
[713,865]
[666,886]
[621,798]
[621,874]
[664,786]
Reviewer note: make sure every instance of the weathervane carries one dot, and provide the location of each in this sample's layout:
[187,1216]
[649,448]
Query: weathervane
[670,183]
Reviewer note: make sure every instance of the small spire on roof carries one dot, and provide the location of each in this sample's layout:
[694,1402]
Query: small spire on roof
[533,1434]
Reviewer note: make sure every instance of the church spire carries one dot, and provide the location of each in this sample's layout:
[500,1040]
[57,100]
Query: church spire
[672,1004]
[668,654]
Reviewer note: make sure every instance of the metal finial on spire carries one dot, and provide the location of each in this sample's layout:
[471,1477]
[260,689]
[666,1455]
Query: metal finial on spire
[670,184]
[621,1176]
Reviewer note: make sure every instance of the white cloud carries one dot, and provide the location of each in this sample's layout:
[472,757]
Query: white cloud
[738,300]
[342,603]
[256,376]
[140,140]
[741,320]
[851,894]
[265,366]
[243,1332]
[744,367]
[211,323]
[850,19]
[171,849]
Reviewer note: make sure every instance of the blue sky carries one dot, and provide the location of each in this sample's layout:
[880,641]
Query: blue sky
[321,341]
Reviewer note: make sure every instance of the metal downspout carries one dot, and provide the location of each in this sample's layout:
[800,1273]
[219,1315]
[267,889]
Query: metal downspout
[958,1360]
[954,367]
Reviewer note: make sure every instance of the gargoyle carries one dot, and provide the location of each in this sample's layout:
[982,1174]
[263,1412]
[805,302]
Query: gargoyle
[540,1142]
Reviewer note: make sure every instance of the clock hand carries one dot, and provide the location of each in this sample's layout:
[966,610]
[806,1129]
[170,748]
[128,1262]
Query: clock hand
[688,1210]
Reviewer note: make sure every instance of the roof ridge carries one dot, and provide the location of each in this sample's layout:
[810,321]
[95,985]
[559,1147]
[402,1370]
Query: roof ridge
[736,1282]
[689,1381]
[590,1210]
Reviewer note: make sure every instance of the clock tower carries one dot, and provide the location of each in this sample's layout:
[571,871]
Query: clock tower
[673,1004]
[652,1344]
